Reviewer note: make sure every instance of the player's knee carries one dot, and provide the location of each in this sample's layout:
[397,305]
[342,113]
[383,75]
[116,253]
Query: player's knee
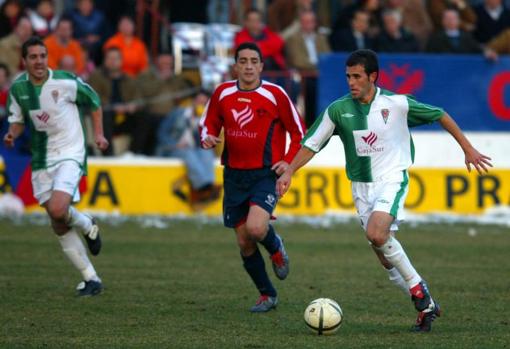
[376,237]
[246,245]
[57,211]
[256,231]
[59,228]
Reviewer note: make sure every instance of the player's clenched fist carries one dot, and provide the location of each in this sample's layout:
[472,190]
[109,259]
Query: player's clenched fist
[9,140]
[283,183]
[101,142]
[210,141]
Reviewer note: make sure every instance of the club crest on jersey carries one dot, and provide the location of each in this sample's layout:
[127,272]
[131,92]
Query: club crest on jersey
[243,117]
[385,114]
[54,95]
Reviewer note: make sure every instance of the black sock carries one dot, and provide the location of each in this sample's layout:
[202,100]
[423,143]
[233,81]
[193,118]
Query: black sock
[256,268]
[271,242]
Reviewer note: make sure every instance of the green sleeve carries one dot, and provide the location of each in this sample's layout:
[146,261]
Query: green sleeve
[421,113]
[86,96]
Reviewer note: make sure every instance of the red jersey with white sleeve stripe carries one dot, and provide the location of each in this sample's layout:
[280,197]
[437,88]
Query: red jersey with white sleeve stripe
[255,124]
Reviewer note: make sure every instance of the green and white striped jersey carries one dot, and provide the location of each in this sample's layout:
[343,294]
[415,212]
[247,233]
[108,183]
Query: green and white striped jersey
[376,138]
[52,111]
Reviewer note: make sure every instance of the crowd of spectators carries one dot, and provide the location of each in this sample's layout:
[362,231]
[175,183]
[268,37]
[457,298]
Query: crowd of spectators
[140,89]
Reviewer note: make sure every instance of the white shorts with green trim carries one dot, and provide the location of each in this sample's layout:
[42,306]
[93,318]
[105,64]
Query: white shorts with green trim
[64,176]
[385,195]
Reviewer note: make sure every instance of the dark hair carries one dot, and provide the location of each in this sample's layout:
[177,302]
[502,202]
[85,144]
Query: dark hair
[6,69]
[252,10]
[112,48]
[65,18]
[32,41]
[248,46]
[366,58]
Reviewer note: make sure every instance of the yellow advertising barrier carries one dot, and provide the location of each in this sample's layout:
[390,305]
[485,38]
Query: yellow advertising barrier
[315,190]
[149,189]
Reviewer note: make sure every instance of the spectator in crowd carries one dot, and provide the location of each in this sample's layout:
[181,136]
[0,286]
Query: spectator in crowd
[118,93]
[220,11]
[10,46]
[492,18]
[90,28]
[115,10]
[452,39]
[271,44]
[371,7]
[178,137]
[135,58]
[67,63]
[355,37]
[44,19]
[4,93]
[499,45]
[283,15]
[10,13]
[61,44]
[393,37]
[467,16]
[162,91]
[415,18]
[303,49]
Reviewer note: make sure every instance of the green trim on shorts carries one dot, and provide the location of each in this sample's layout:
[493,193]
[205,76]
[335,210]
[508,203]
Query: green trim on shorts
[60,161]
[400,193]
[77,186]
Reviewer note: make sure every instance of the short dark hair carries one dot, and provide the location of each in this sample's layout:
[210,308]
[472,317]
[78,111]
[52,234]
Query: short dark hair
[366,58]
[252,10]
[248,46]
[65,18]
[32,41]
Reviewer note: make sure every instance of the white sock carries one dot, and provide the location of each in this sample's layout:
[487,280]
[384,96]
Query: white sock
[78,220]
[398,280]
[396,255]
[75,250]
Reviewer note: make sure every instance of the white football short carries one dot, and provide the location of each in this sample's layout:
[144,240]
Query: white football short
[386,195]
[64,176]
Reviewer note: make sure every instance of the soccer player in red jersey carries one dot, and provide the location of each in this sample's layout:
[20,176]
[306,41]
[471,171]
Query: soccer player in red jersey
[255,116]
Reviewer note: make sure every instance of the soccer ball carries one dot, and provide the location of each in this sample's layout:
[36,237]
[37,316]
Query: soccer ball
[323,316]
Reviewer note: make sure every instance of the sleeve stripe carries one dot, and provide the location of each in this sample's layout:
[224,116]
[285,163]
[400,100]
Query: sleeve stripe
[14,110]
[204,132]
[295,114]
[320,134]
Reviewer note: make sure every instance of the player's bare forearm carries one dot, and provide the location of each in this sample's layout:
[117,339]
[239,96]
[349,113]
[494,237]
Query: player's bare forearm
[15,130]
[451,126]
[302,157]
[480,161]
[97,124]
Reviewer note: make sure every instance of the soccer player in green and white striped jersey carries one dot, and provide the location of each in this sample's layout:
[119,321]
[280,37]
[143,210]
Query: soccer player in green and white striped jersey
[373,125]
[49,102]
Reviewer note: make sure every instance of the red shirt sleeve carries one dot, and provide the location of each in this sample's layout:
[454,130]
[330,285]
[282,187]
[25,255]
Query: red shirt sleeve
[212,120]
[292,122]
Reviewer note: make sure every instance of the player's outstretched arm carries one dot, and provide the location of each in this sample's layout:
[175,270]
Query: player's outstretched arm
[97,124]
[15,130]
[472,156]
[302,157]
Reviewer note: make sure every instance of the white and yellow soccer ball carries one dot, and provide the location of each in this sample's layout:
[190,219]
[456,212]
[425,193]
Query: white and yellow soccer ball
[323,316]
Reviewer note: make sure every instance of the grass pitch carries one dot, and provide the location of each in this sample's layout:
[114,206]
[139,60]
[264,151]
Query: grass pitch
[184,287]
